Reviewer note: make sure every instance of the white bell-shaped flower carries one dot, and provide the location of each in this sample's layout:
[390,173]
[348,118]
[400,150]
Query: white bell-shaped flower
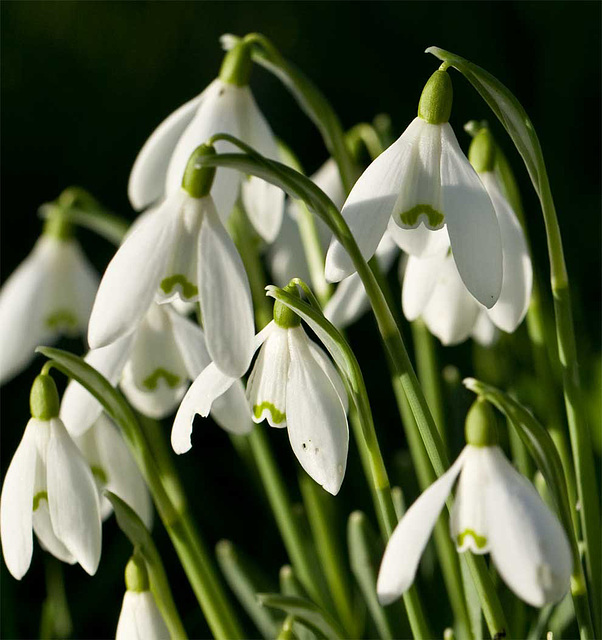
[49,489]
[423,189]
[50,293]
[496,511]
[154,366]
[114,469]
[293,384]
[225,106]
[140,618]
[180,250]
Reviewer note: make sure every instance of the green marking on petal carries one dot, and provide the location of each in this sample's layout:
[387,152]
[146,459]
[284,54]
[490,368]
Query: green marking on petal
[480,541]
[277,416]
[188,289]
[100,474]
[435,218]
[153,380]
[40,495]
[61,318]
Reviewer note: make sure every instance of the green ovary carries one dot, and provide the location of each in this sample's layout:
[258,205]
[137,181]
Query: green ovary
[188,289]
[40,495]
[61,318]
[277,416]
[480,541]
[435,218]
[152,381]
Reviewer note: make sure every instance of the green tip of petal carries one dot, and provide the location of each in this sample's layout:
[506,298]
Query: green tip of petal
[136,575]
[480,427]
[237,65]
[436,99]
[187,289]
[435,218]
[480,541]
[170,378]
[481,153]
[44,398]
[277,416]
[198,179]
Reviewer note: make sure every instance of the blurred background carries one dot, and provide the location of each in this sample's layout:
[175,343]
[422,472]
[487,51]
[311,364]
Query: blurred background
[85,83]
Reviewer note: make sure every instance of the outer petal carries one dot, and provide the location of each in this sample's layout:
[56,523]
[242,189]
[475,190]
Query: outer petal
[73,499]
[79,408]
[511,307]
[46,536]
[190,340]
[328,178]
[286,257]
[472,225]
[150,168]
[409,539]
[451,312]
[83,283]
[330,370]
[231,410]
[140,618]
[266,388]
[225,298]
[484,331]
[130,282]
[370,203]
[528,544]
[419,282]
[16,505]
[317,424]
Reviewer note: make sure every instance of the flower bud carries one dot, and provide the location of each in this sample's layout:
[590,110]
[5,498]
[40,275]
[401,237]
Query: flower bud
[481,153]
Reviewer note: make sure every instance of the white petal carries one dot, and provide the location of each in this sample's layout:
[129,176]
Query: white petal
[472,225]
[79,408]
[123,476]
[285,256]
[468,524]
[46,536]
[73,499]
[16,505]
[370,204]
[219,112]
[81,282]
[529,546]
[420,242]
[190,339]
[140,618]
[406,545]
[419,282]
[513,303]
[231,410]
[150,168]
[130,282]
[328,178]
[317,424]
[484,331]
[225,299]
[451,311]
[266,387]
[330,370]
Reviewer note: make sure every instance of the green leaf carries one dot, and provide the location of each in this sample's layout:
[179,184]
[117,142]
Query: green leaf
[141,539]
[305,611]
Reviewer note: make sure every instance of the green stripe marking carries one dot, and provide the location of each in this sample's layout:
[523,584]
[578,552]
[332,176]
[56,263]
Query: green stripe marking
[153,380]
[435,218]
[61,318]
[188,289]
[40,495]
[277,416]
[480,541]
[100,474]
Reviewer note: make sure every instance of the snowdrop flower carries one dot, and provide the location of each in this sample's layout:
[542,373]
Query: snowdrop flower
[496,511]
[423,189]
[49,488]
[293,384]
[140,618]
[433,287]
[225,106]
[114,469]
[153,367]
[49,294]
[180,250]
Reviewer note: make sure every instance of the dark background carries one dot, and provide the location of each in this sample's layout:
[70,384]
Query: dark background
[84,84]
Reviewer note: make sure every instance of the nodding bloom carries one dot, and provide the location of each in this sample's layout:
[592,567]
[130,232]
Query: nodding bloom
[49,489]
[496,511]
[433,288]
[293,384]
[180,250]
[424,191]
[225,106]
[49,294]
[140,619]
[153,367]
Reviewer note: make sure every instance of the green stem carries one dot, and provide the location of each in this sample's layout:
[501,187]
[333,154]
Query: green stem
[56,618]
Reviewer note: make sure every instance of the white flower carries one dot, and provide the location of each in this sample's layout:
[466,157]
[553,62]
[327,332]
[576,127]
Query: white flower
[293,384]
[496,511]
[153,367]
[114,469]
[179,250]
[433,288]
[49,488]
[223,107]
[50,293]
[423,189]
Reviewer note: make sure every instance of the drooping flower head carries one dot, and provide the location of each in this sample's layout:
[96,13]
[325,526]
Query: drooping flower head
[496,511]
[49,489]
[423,189]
